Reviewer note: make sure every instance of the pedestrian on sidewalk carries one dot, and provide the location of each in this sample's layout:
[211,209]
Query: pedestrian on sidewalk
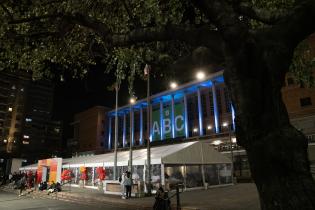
[122,184]
[128,184]
[22,184]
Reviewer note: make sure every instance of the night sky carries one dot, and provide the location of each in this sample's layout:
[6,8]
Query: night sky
[75,95]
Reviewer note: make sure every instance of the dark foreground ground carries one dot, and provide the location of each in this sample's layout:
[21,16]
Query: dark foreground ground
[10,201]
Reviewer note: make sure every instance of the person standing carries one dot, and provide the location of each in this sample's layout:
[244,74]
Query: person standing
[128,184]
[122,185]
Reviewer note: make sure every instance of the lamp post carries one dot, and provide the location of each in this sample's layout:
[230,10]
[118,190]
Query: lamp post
[231,143]
[132,101]
[148,166]
[117,86]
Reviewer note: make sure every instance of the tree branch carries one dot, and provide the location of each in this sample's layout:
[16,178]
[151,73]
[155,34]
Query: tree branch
[298,25]
[202,36]
[35,18]
[222,14]
[261,15]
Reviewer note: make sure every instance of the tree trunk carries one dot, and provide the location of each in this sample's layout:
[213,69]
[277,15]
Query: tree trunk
[277,152]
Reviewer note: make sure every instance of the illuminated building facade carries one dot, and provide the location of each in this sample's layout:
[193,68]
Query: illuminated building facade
[199,109]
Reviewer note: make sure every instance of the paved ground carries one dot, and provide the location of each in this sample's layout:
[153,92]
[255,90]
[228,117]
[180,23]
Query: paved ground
[243,196]
[237,197]
[10,201]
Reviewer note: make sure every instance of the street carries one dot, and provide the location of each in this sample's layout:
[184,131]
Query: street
[10,201]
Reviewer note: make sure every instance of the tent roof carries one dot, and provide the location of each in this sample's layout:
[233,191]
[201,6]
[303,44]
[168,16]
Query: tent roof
[197,153]
[184,153]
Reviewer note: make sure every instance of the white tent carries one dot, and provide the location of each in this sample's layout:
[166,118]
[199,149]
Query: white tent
[185,153]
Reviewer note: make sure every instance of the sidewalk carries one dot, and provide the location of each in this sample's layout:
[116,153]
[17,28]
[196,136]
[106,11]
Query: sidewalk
[237,197]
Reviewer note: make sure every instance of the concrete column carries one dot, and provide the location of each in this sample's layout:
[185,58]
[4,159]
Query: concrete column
[233,116]
[173,117]
[150,128]
[186,116]
[163,175]
[93,176]
[215,108]
[124,131]
[109,132]
[161,120]
[200,113]
[141,126]
[131,126]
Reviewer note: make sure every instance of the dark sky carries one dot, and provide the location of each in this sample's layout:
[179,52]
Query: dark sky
[76,95]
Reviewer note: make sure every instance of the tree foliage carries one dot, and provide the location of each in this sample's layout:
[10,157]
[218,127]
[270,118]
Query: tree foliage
[73,34]
[254,40]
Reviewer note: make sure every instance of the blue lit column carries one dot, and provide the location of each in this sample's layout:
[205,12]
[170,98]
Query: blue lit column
[109,132]
[200,112]
[150,128]
[131,126]
[186,116]
[215,108]
[173,117]
[141,126]
[161,119]
[124,131]
[233,116]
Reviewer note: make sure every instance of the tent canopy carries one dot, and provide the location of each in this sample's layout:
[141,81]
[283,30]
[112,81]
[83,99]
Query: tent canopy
[184,153]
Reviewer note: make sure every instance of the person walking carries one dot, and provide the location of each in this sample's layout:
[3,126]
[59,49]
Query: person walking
[22,185]
[128,184]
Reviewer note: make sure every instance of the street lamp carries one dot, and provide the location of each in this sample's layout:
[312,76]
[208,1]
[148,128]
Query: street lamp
[173,85]
[117,86]
[200,75]
[225,124]
[132,101]
[147,70]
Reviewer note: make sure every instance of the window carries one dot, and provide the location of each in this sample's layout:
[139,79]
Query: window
[305,101]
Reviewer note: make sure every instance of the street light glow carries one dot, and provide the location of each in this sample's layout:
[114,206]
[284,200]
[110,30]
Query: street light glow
[173,85]
[200,75]
[225,124]
[209,127]
[132,100]
[234,140]
[217,142]
[195,130]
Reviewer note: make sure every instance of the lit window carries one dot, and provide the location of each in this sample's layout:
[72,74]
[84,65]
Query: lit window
[26,136]
[305,101]
[26,142]
[57,130]
[10,109]
[13,87]
[22,89]
[5,141]
[28,119]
